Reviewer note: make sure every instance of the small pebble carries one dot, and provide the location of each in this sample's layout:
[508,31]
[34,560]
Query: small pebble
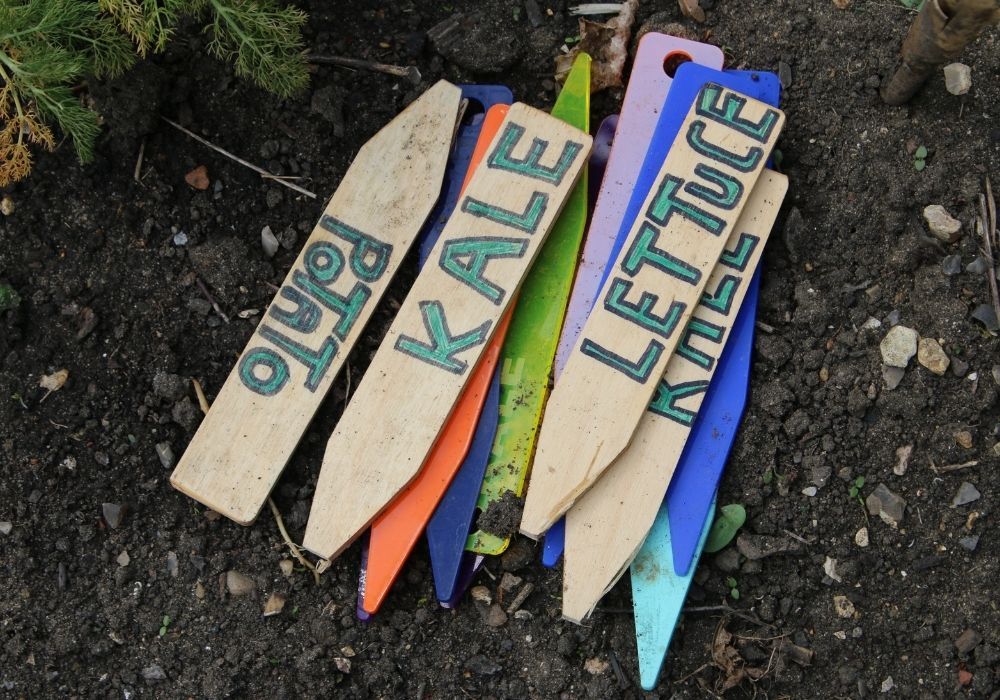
[987,315]
[952,265]
[268,241]
[898,346]
[959,367]
[343,665]
[892,376]
[967,493]
[888,684]
[943,225]
[886,504]
[902,459]
[287,566]
[861,537]
[172,568]
[154,673]
[274,605]
[237,584]
[932,356]
[843,606]
[6,527]
[979,266]
[964,439]
[967,641]
[113,514]
[481,594]
[180,238]
[123,559]
[970,542]
[809,491]
[6,205]
[957,78]
[496,617]
[509,582]
[166,454]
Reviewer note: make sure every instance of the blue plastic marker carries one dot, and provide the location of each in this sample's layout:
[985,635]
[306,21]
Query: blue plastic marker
[688,80]
[481,98]
[659,594]
[449,527]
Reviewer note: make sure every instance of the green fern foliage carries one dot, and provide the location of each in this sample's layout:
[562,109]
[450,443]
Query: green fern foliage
[48,46]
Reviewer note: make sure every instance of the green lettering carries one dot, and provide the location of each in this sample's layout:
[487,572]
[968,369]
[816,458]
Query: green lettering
[443,348]
[665,400]
[369,256]
[729,113]
[526,221]
[722,299]
[730,190]
[304,318]
[643,251]
[703,329]
[272,362]
[641,313]
[742,163]
[466,259]
[316,361]
[530,166]
[638,370]
[348,308]
[738,259]
[665,203]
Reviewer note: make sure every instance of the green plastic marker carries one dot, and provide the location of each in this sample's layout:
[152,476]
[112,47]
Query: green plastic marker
[529,350]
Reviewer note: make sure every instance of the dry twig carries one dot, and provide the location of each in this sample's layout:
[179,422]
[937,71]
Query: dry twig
[411,73]
[988,231]
[200,393]
[260,171]
[211,299]
[296,552]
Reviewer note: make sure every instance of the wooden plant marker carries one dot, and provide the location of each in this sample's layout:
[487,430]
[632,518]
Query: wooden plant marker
[644,99]
[656,281]
[689,79]
[398,527]
[321,310]
[529,349]
[607,524]
[444,325]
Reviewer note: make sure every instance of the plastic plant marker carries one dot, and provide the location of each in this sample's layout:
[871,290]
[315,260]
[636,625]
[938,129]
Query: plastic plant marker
[658,596]
[469,129]
[448,528]
[529,349]
[689,78]
[397,529]
[359,609]
[321,310]
[603,142]
[644,97]
[471,564]
[656,283]
[445,323]
[607,524]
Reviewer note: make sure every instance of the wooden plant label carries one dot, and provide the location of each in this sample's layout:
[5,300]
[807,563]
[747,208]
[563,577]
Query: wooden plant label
[607,524]
[654,285]
[448,317]
[321,310]
[645,98]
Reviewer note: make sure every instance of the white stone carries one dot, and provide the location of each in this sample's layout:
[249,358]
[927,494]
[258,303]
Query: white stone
[843,606]
[942,224]
[957,78]
[899,345]
[861,537]
[268,242]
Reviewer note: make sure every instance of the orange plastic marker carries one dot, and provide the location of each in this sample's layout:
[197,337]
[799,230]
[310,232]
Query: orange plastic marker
[396,530]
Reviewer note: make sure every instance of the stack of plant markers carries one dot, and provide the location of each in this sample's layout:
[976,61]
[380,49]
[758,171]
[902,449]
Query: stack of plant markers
[642,322]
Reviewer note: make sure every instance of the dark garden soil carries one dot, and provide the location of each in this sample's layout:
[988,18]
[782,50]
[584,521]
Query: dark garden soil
[109,295]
